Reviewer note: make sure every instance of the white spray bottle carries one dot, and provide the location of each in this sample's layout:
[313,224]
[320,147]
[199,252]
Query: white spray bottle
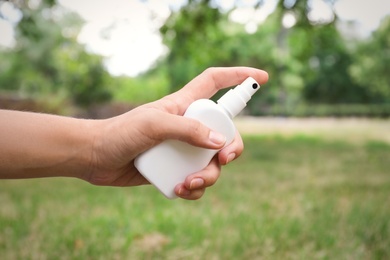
[170,162]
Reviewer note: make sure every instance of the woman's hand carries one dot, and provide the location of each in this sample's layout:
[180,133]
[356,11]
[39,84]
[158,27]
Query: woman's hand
[119,140]
[102,152]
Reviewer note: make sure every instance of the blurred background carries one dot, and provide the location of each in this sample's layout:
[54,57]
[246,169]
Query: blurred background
[314,179]
[325,58]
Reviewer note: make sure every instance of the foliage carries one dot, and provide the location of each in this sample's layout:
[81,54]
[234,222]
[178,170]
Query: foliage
[310,63]
[195,40]
[46,63]
[325,63]
[371,66]
[81,74]
[145,88]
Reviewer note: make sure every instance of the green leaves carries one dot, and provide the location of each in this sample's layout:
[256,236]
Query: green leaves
[45,63]
[311,62]
[308,63]
[371,66]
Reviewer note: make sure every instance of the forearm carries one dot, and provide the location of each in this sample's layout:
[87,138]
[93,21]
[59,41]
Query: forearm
[39,145]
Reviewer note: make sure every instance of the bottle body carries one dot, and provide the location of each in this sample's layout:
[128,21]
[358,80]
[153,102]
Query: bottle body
[170,162]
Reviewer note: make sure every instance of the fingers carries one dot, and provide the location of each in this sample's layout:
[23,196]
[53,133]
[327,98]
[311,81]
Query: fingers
[232,151]
[194,186]
[211,80]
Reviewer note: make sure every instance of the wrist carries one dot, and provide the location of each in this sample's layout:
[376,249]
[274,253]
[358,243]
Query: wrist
[85,142]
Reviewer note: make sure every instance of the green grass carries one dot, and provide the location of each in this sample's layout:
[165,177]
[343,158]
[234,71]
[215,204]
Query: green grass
[285,198]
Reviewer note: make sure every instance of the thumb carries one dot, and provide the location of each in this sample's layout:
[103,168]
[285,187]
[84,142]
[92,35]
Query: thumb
[187,130]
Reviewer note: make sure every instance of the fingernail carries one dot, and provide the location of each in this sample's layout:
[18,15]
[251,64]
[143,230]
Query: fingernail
[184,192]
[217,138]
[230,158]
[196,183]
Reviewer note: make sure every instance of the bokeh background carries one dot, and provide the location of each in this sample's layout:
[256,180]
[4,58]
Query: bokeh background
[325,58]
[314,179]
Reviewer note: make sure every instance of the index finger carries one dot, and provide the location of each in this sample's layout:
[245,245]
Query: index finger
[212,80]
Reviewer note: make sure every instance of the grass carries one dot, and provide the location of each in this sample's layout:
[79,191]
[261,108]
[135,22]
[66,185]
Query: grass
[295,197]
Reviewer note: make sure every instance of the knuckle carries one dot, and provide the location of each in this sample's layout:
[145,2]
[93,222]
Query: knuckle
[239,147]
[211,179]
[209,74]
[195,130]
[195,127]
[148,127]
[209,71]
[197,194]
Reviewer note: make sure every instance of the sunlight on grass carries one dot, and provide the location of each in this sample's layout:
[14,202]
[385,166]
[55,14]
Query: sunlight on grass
[356,130]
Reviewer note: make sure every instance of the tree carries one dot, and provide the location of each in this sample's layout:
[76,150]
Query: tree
[194,38]
[48,61]
[299,59]
[200,36]
[371,65]
[326,61]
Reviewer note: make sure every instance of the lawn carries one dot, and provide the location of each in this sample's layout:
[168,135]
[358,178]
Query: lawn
[287,197]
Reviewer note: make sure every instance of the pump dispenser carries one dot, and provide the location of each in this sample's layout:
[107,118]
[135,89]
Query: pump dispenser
[170,162]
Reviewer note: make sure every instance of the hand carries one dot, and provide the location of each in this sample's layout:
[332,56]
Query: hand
[119,140]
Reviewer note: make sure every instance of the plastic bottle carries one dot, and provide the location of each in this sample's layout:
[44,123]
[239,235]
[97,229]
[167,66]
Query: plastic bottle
[170,162]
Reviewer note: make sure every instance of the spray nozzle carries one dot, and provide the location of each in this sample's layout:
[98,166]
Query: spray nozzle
[235,99]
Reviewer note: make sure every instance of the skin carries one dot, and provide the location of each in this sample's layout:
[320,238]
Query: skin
[102,152]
